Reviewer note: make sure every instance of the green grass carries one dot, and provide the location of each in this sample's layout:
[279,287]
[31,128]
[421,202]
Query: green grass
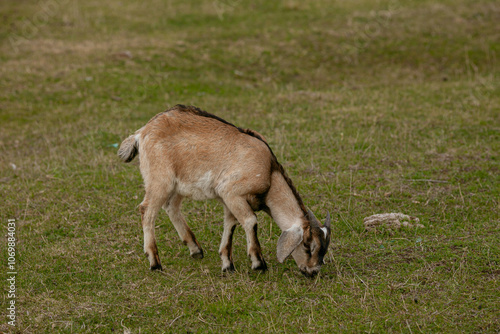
[371,106]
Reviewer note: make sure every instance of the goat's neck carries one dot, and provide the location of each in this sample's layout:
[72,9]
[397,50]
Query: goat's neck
[282,203]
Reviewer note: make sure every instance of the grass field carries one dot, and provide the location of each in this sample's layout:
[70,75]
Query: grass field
[371,106]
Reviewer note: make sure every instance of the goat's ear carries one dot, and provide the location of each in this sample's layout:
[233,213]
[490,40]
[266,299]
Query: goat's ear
[288,241]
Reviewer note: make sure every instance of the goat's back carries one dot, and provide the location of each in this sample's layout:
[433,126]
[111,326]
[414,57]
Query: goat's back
[206,156]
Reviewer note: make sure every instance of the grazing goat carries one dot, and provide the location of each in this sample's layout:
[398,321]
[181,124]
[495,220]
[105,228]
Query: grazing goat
[187,152]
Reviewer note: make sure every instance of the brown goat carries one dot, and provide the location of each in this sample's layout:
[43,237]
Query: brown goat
[186,152]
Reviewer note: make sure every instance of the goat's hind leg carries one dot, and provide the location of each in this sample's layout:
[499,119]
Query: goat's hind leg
[173,209]
[149,210]
[226,245]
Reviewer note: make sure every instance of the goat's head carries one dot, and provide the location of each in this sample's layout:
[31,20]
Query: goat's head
[307,245]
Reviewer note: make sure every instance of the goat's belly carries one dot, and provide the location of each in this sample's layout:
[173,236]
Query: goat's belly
[200,189]
[198,194]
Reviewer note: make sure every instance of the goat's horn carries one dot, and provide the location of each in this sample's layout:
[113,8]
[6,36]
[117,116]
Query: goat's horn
[327,220]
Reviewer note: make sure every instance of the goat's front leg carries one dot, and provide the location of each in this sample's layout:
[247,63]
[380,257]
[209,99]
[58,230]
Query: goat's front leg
[173,209]
[254,250]
[226,245]
[240,208]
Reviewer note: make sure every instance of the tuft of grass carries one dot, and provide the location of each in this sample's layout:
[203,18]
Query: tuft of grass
[372,107]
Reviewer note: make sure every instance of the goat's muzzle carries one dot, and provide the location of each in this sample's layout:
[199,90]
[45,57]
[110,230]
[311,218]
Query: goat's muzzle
[310,272]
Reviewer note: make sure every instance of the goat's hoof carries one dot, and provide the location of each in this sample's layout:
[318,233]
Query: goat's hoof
[198,255]
[262,266]
[156,267]
[229,269]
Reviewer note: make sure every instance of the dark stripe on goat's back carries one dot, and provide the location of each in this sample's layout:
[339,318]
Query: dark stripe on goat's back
[275,164]
[199,112]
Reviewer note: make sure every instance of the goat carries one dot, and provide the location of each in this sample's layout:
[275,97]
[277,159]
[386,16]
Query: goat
[187,152]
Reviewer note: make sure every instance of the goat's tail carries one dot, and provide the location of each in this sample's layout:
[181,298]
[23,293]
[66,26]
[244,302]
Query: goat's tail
[129,148]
